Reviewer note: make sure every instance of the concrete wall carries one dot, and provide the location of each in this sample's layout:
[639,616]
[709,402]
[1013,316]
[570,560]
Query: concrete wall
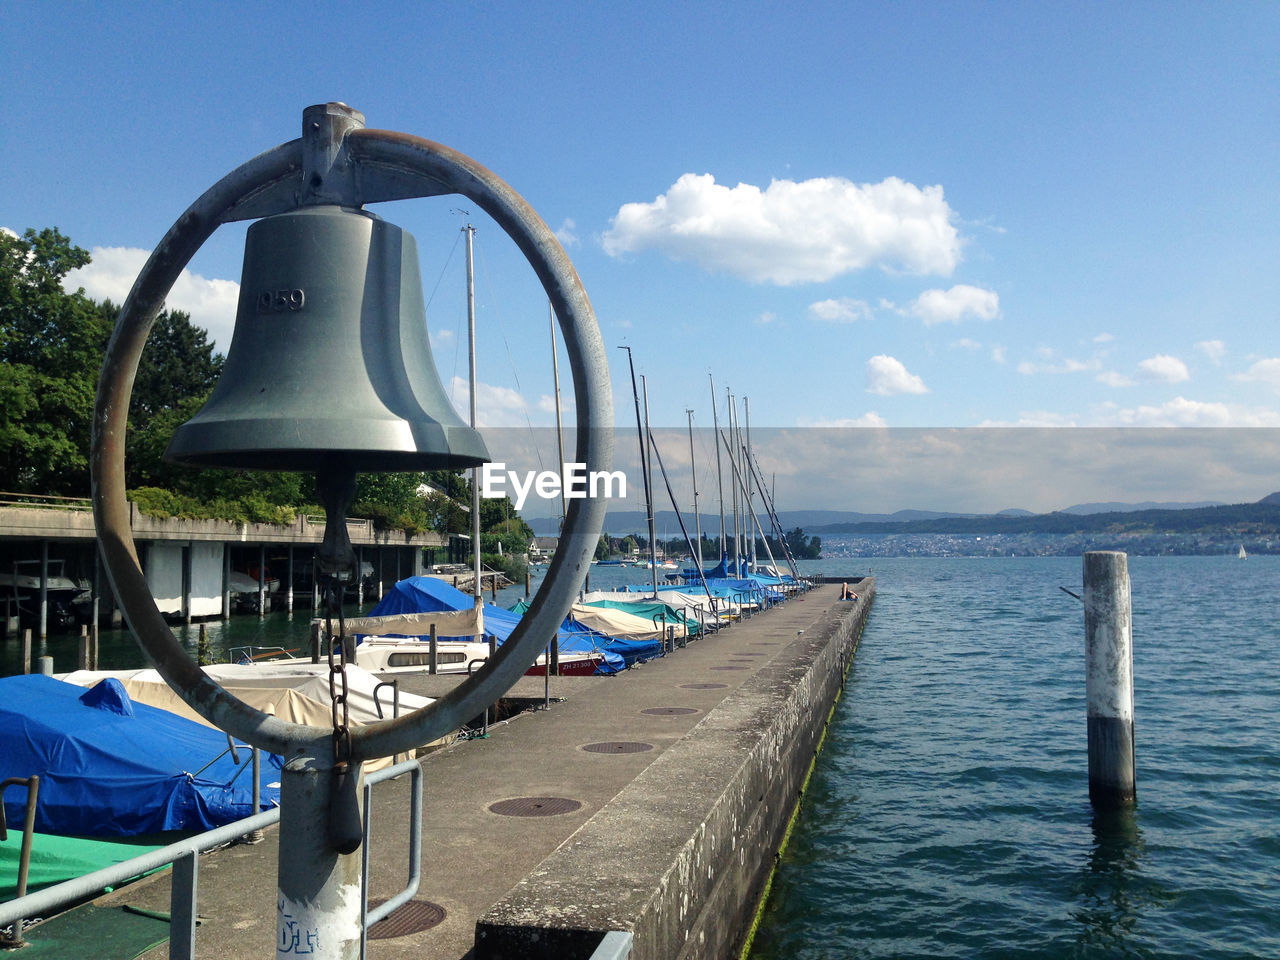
[206,579]
[163,567]
[681,856]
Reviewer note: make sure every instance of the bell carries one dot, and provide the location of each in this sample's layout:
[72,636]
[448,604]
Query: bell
[330,368]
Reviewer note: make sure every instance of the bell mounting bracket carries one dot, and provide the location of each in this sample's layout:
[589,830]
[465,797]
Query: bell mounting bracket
[338,160]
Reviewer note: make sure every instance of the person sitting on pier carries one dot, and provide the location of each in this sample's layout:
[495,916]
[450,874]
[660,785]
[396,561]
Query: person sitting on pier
[846,593]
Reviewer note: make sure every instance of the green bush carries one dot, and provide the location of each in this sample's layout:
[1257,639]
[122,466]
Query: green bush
[252,508]
[513,567]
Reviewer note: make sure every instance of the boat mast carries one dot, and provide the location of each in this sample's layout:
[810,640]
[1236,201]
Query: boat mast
[476,590]
[746,411]
[693,466]
[752,516]
[648,459]
[684,531]
[737,528]
[715,419]
[766,497]
[644,467]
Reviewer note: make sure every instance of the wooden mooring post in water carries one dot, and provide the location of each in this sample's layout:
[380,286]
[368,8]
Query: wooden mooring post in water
[1108,643]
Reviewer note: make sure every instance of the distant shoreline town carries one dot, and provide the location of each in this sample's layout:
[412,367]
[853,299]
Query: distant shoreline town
[836,546]
[1191,529]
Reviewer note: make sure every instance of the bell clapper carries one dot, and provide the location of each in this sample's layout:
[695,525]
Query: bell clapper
[336,488]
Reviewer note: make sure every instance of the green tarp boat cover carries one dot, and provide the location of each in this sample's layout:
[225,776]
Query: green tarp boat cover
[654,610]
[54,859]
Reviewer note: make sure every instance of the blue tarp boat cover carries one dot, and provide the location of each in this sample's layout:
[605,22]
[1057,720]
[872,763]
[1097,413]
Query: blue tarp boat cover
[722,570]
[429,595]
[111,767]
[626,651]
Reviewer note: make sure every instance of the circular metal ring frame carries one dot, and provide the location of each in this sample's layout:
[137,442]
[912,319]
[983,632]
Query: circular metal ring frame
[435,169]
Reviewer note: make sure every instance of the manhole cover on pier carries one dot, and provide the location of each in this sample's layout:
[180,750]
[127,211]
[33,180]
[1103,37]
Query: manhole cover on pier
[412,917]
[669,711]
[704,686]
[534,806]
[729,668]
[618,746]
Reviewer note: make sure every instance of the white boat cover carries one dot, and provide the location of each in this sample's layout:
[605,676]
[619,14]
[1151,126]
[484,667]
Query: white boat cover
[617,623]
[297,691]
[676,598]
[448,623]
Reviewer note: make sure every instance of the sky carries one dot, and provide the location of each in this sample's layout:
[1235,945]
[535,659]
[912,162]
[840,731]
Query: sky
[858,215]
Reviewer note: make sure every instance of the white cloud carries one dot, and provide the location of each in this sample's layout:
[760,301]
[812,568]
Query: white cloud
[869,420]
[1263,371]
[789,232]
[1034,418]
[113,270]
[495,406]
[844,310]
[1103,338]
[1178,412]
[1113,379]
[1181,412]
[964,343]
[547,404]
[998,354]
[1164,367]
[887,377]
[954,305]
[766,318]
[1215,350]
[566,234]
[1051,365]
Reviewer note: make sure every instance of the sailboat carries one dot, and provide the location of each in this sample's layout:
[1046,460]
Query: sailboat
[1241,555]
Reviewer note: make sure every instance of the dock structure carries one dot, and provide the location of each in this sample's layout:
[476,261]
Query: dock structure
[652,802]
[188,563]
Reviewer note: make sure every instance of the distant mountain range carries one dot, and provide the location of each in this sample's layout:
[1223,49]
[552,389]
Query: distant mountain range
[1257,519]
[1116,507]
[622,522]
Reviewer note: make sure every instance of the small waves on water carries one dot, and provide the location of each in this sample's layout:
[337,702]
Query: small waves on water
[949,817]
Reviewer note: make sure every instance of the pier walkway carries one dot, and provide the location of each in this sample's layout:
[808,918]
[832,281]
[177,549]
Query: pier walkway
[675,779]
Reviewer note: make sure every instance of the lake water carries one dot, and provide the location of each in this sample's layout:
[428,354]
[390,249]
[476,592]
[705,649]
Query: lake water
[948,815]
[118,651]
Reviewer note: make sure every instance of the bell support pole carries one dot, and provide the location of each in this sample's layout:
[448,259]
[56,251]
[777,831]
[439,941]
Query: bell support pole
[337,160]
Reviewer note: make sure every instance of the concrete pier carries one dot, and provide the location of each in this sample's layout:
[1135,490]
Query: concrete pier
[652,802]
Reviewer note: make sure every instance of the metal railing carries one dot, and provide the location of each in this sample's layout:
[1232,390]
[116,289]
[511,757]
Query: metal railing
[184,855]
[24,856]
[316,521]
[36,501]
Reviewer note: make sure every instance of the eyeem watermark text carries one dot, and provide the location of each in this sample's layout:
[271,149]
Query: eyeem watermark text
[577,483]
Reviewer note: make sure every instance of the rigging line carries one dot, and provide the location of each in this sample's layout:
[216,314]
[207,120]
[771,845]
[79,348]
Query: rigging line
[693,555]
[427,306]
[515,374]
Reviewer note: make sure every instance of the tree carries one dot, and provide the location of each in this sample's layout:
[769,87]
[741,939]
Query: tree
[177,372]
[51,347]
[178,363]
[802,547]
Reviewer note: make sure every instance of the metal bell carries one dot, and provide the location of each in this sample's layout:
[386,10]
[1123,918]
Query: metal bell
[330,363]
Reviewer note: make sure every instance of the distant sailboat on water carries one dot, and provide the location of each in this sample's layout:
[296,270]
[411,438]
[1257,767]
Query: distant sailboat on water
[1241,555]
